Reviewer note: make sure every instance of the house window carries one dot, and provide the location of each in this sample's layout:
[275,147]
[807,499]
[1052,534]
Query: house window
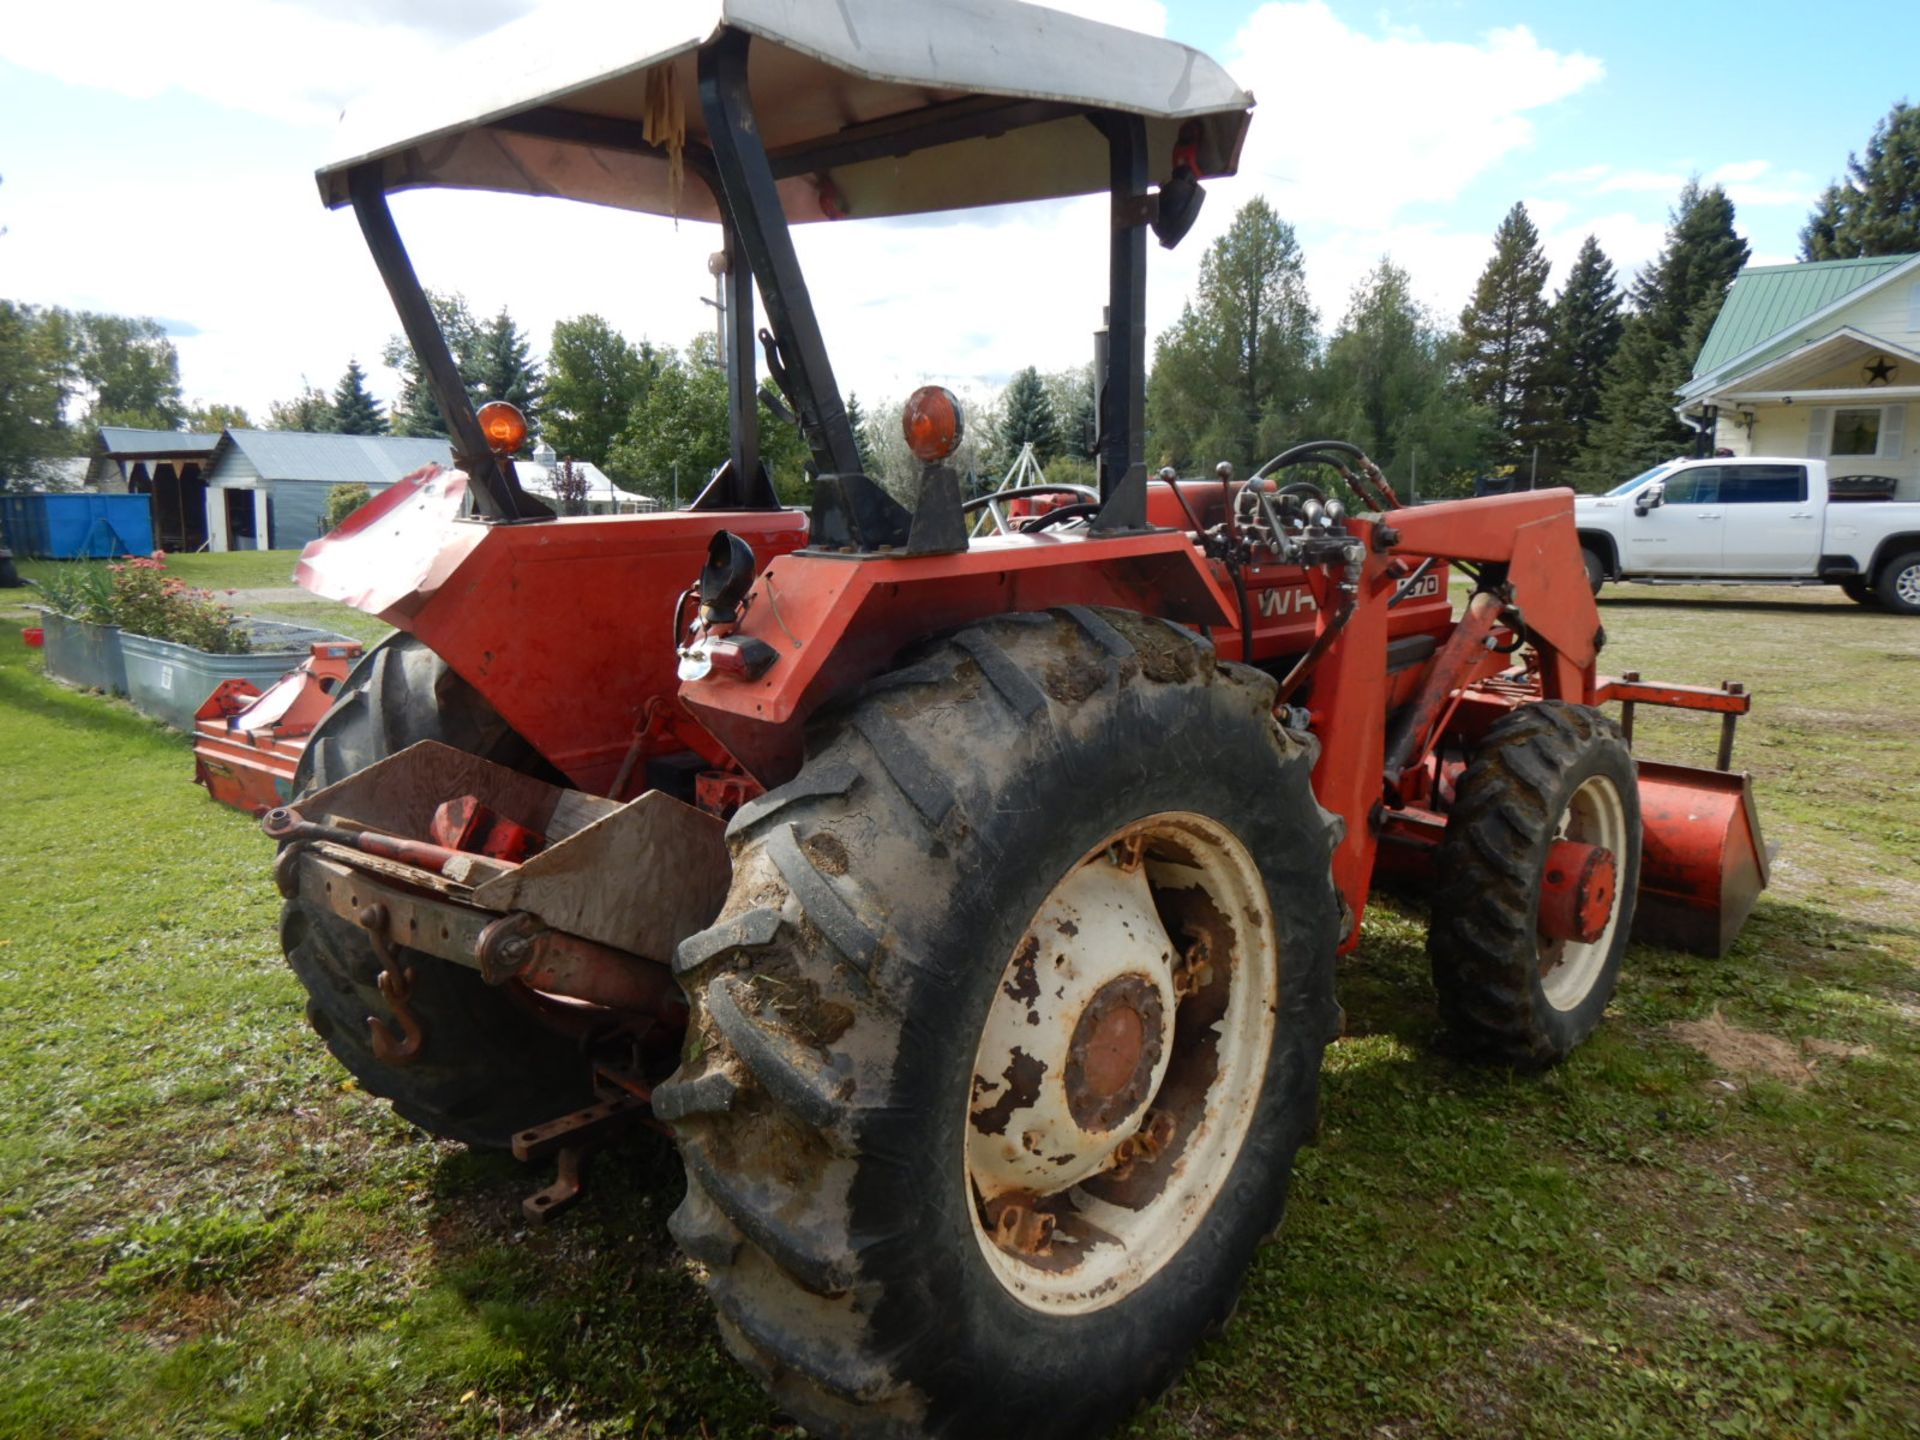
[1856,432]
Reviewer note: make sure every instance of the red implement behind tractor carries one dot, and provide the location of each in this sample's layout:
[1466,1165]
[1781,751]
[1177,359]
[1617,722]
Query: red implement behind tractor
[966,907]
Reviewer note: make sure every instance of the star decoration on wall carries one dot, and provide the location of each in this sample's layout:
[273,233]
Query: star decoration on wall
[1881,371]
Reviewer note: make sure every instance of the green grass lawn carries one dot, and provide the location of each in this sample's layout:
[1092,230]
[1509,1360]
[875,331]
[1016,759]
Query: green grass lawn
[206,1230]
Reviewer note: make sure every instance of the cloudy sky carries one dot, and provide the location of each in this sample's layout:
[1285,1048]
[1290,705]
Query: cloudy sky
[157,159]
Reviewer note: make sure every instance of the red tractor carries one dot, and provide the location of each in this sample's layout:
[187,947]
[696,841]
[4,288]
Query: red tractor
[966,909]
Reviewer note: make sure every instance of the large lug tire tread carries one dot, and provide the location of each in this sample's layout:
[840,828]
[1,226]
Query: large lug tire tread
[1482,940]
[489,1067]
[1596,568]
[1902,573]
[837,1003]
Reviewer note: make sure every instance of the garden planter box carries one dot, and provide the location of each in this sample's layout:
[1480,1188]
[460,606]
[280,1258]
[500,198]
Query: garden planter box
[171,682]
[82,653]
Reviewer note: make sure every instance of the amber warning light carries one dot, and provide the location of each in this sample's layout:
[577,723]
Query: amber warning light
[932,424]
[503,425]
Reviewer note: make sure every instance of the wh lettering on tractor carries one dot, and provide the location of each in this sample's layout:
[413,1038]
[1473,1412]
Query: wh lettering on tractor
[879,862]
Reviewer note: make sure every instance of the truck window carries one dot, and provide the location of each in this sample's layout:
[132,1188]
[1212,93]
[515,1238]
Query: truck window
[1763,484]
[1699,486]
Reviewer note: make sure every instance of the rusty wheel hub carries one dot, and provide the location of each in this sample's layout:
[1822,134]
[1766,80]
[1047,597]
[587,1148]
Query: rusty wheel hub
[1120,1061]
[1114,1052]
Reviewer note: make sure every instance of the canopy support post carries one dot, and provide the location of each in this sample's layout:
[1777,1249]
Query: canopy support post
[495,488]
[848,508]
[1122,390]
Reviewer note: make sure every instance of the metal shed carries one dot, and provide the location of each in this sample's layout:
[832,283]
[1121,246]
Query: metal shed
[267,489]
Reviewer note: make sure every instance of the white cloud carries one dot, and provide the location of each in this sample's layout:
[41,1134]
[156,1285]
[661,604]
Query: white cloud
[1747,182]
[268,57]
[1357,148]
[1356,127]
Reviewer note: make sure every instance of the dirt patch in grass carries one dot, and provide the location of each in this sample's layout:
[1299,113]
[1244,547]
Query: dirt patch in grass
[1754,1054]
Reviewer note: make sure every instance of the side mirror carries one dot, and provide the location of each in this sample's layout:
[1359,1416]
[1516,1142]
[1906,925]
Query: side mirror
[1653,496]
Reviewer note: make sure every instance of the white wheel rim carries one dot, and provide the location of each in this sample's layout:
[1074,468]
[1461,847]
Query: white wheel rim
[1569,969]
[1168,912]
[1907,585]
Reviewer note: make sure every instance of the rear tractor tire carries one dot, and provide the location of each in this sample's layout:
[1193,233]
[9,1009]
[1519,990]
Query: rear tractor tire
[1009,1030]
[489,1066]
[1546,773]
[1898,584]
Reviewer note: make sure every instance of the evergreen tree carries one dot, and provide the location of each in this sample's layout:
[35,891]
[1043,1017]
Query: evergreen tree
[595,376]
[1027,417]
[1236,368]
[1504,338]
[1586,331]
[1875,209]
[1675,302]
[416,412]
[1387,386]
[862,441]
[355,412]
[503,368]
[1073,408]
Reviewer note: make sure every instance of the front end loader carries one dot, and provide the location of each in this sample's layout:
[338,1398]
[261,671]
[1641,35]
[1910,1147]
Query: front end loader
[966,906]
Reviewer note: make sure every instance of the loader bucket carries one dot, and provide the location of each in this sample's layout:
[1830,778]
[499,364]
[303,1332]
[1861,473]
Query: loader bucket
[1703,864]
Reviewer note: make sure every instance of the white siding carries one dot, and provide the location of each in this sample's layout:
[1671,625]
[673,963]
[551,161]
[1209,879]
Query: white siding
[1891,311]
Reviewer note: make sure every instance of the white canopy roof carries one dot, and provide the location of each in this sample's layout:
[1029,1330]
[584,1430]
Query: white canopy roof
[495,116]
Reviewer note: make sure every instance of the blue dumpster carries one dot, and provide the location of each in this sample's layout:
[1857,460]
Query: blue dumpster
[78,527]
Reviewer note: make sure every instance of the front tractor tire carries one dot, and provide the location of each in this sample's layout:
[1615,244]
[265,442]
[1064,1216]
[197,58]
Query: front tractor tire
[1548,780]
[1005,1039]
[489,1066]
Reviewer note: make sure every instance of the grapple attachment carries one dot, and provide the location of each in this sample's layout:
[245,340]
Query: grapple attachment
[1703,864]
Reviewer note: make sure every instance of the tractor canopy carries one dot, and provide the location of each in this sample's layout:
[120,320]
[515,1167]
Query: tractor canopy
[866,107]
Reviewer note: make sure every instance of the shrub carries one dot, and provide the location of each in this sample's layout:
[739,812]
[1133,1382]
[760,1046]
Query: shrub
[148,601]
[342,501]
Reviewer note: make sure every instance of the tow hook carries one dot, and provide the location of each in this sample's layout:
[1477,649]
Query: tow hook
[397,986]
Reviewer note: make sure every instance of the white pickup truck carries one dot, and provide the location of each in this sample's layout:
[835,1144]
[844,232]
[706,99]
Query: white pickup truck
[1755,520]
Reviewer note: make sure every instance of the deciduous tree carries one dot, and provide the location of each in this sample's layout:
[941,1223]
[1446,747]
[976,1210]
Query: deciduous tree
[309,411]
[128,371]
[682,420]
[595,376]
[33,384]
[1874,209]
[212,417]
[1387,386]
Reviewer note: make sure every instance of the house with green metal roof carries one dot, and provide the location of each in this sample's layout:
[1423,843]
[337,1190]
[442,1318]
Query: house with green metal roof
[1821,360]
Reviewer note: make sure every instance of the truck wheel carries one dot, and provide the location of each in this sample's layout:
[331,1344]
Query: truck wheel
[489,1066]
[1898,584]
[1005,1039]
[1860,590]
[1596,569]
[1546,773]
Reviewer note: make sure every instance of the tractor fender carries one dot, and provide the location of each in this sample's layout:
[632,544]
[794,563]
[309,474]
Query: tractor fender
[835,622]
